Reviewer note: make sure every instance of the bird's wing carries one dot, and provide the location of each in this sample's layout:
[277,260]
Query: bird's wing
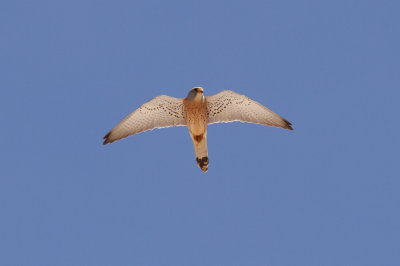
[228,106]
[162,111]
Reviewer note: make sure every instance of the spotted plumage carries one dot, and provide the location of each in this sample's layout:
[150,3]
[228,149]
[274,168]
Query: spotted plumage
[196,112]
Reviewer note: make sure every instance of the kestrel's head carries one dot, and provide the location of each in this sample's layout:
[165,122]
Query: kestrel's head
[196,94]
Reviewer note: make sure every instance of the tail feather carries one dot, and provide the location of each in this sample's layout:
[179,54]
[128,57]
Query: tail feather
[201,152]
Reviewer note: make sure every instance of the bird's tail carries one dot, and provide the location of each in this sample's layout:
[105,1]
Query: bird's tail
[201,151]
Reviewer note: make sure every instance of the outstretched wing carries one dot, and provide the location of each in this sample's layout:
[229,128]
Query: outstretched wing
[228,106]
[162,111]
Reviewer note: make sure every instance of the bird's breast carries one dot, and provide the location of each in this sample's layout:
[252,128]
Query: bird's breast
[196,116]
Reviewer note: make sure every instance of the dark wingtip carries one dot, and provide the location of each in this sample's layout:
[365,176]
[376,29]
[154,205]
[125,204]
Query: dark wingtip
[288,124]
[106,138]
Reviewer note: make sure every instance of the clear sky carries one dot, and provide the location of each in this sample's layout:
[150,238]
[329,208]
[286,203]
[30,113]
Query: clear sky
[326,193]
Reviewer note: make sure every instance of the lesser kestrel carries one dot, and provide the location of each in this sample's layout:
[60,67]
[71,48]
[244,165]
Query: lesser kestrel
[196,112]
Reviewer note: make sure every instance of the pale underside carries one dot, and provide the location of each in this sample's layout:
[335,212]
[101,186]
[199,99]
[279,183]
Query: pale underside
[162,111]
[228,106]
[165,111]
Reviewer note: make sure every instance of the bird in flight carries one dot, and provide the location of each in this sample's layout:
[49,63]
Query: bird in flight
[196,112]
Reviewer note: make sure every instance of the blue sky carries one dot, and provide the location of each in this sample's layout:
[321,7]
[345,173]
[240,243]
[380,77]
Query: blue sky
[323,194]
